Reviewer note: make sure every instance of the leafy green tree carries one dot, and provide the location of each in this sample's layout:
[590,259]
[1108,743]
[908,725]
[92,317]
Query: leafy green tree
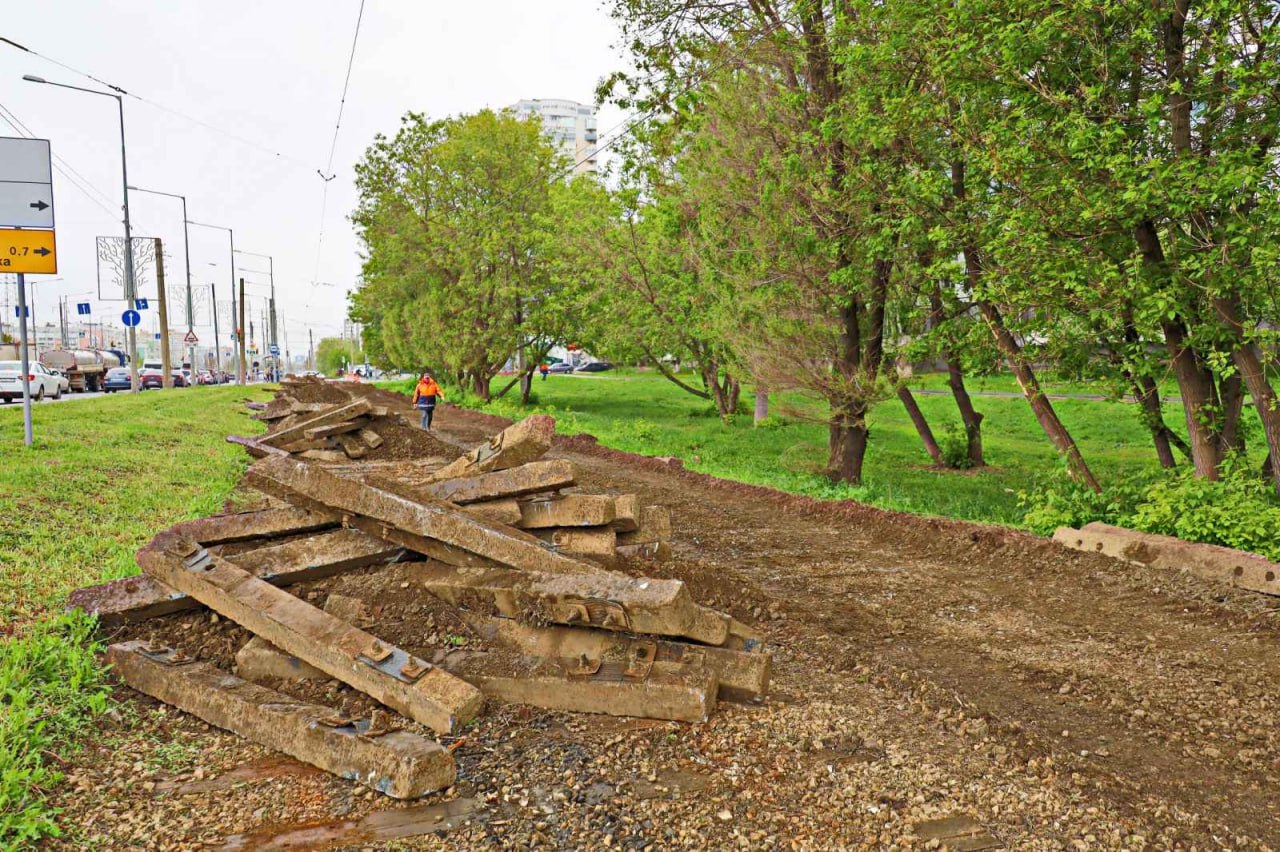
[334,353]
[467,263]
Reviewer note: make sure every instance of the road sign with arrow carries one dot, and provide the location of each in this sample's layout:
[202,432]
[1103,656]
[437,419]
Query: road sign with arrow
[26,207]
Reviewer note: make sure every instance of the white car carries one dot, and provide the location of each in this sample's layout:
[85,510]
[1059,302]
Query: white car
[44,382]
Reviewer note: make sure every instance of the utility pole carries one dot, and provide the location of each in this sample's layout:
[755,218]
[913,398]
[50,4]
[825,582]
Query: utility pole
[240,334]
[217,338]
[165,364]
[62,320]
[25,358]
[311,355]
[186,251]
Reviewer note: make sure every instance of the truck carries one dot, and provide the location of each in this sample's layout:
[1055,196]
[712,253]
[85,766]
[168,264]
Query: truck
[84,368]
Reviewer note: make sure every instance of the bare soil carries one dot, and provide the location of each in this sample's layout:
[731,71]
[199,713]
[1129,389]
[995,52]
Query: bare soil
[923,668]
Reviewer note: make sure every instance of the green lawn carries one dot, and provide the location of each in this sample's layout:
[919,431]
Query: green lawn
[103,477]
[641,412]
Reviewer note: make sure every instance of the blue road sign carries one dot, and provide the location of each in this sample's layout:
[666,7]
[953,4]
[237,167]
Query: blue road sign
[19,312]
[140,304]
[82,308]
[275,351]
[130,318]
[157,335]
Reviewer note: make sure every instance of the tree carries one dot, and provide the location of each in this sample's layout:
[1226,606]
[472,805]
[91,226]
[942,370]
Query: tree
[334,353]
[467,265]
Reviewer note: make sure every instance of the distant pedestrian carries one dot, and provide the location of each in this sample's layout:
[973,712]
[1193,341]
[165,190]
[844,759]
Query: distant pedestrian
[544,369]
[424,397]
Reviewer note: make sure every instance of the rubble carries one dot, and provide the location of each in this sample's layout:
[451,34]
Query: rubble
[536,573]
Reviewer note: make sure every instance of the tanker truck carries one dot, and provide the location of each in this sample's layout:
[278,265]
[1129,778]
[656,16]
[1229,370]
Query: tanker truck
[84,368]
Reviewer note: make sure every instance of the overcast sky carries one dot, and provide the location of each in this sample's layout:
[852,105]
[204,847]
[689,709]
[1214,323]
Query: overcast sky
[269,72]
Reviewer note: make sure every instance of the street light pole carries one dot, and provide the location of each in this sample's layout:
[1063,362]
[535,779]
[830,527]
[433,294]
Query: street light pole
[272,340]
[238,332]
[186,251]
[130,283]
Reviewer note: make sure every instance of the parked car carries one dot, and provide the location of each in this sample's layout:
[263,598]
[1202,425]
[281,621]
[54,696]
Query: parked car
[64,383]
[188,377]
[150,378]
[595,367]
[180,379]
[117,379]
[559,367]
[205,377]
[44,382]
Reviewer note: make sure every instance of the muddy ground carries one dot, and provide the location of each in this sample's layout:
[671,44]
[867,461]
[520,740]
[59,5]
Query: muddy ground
[923,669]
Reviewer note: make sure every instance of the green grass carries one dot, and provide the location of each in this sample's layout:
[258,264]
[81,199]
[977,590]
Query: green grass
[641,412]
[103,477]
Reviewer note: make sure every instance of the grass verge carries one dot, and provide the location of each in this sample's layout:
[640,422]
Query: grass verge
[104,475]
[641,412]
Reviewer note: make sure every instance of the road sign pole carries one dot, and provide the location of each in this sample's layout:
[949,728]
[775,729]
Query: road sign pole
[217,338]
[240,342]
[26,358]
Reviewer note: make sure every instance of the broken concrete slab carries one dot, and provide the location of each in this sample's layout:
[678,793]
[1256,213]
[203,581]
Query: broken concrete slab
[280,563]
[425,517]
[584,541]
[297,432]
[327,456]
[531,478]
[567,510]
[654,525]
[258,660]
[626,512]
[265,523]
[496,511]
[405,683]
[606,601]
[316,432]
[741,675]
[400,764]
[372,438]
[1237,567]
[352,446]
[634,686]
[518,444]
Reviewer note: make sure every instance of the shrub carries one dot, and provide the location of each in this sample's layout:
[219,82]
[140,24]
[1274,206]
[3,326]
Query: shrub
[1238,511]
[954,444]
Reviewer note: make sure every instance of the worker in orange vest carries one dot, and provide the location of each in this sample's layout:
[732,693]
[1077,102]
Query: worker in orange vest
[424,397]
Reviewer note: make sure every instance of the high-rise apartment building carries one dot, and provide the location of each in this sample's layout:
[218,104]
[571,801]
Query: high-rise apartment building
[570,124]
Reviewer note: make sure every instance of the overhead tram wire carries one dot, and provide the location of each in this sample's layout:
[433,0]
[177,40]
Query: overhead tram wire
[327,175]
[156,104]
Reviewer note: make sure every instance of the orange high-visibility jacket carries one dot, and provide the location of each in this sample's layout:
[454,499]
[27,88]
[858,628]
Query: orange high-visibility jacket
[426,387]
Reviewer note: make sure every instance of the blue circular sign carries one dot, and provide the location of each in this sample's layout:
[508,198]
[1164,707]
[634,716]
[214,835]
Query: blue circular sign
[131,318]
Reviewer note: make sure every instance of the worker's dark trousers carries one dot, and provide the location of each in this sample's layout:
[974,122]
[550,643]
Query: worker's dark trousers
[426,416]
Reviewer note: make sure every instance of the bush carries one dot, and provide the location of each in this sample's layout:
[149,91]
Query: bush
[954,444]
[1238,511]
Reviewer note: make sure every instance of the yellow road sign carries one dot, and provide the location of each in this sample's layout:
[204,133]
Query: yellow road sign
[28,251]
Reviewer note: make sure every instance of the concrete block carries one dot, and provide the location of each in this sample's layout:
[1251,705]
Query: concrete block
[605,601]
[297,432]
[654,524]
[372,438]
[241,526]
[583,541]
[1237,567]
[531,478]
[333,429]
[567,510]
[626,512]
[505,511]
[407,684]
[518,444]
[400,764]
[258,660]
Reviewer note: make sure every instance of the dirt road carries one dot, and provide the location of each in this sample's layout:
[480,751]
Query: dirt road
[923,669]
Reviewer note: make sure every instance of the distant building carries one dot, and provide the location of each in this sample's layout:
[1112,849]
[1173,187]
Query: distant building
[570,124]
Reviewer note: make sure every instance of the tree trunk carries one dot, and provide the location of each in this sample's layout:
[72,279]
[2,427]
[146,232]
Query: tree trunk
[1147,393]
[922,425]
[762,404]
[480,384]
[847,447]
[1231,400]
[1253,372]
[526,384]
[969,416]
[1195,384]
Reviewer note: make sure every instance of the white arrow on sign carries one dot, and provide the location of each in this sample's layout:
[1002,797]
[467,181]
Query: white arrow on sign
[26,183]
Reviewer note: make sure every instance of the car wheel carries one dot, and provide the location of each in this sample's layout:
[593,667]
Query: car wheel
[40,394]
[58,393]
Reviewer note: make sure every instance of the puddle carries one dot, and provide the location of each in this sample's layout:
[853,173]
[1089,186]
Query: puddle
[275,766]
[391,824]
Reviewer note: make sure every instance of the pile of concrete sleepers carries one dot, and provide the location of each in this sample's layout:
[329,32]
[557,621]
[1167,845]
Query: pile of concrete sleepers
[539,569]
